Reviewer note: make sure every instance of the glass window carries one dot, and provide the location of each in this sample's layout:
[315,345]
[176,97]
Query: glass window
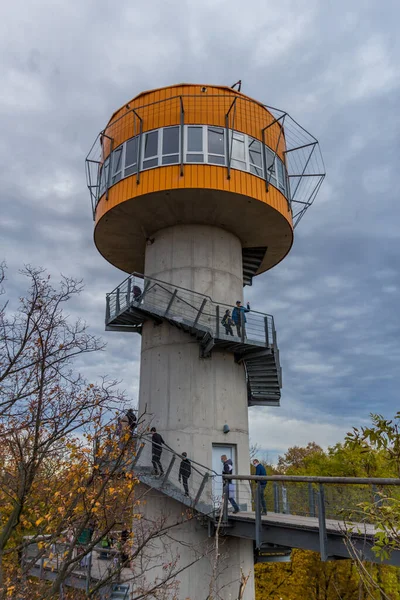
[150,162]
[237,148]
[255,152]
[151,144]
[104,176]
[255,157]
[150,158]
[195,139]
[131,156]
[216,141]
[257,171]
[195,158]
[130,170]
[287,187]
[171,159]
[246,154]
[271,175]
[216,160]
[117,165]
[170,144]
[238,151]
[281,175]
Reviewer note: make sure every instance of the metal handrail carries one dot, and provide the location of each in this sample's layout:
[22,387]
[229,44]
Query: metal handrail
[178,287]
[318,505]
[195,310]
[147,437]
[317,479]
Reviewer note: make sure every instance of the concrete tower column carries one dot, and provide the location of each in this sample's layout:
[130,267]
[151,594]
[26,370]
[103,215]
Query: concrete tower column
[190,398]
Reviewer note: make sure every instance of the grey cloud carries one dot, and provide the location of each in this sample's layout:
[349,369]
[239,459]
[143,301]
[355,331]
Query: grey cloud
[332,66]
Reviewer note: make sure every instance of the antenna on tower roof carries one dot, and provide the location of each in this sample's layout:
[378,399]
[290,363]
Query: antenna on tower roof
[238,83]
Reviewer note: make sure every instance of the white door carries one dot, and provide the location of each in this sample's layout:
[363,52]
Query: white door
[217,451]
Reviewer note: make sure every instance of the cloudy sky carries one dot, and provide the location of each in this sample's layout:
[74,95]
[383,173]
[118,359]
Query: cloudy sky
[334,66]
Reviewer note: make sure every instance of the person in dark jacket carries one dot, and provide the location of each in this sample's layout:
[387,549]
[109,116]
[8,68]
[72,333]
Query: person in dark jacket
[156,451]
[185,471]
[136,292]
[227,469]
[239,317]
[260,470]
[132,420]
[227,322]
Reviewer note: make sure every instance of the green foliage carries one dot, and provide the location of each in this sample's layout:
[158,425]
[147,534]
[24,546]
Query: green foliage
[372,451]
[382,437]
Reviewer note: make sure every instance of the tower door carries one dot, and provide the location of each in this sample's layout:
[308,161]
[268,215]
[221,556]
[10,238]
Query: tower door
[217,451]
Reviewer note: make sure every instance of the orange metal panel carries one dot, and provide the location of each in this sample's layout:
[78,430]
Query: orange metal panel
[161,108]
[195,176]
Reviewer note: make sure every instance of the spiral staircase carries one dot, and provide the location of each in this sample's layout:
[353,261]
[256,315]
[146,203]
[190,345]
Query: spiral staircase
[140,298]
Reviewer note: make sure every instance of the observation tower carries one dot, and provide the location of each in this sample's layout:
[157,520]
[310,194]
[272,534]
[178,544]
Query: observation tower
[195,190]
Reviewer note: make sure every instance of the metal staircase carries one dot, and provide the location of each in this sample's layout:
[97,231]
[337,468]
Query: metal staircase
[201,497]
[138,299]
[252,259]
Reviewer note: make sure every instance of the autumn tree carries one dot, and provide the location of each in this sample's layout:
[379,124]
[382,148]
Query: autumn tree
[47,412]
[296,457]
[66,464]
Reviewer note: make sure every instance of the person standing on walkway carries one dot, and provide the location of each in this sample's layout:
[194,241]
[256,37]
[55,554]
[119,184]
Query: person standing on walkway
[185,471]
[156,451]
[227,469]
[260,470]
[239,317]
[227,322]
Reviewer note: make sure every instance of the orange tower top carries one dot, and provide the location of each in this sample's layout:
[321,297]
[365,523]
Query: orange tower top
[200,154]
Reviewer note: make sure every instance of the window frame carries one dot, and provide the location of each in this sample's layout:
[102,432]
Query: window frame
[121,151]
[177,154]
[250,140]
[153,157]
[216,154]
[245,160]
[278,176]
[187,152]
[104,173]
[126,167]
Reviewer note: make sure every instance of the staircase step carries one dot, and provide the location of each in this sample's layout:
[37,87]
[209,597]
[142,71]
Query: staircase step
[265,370]
[265,382]
[185,312]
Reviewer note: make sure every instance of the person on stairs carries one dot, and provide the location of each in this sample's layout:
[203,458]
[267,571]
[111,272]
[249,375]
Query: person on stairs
[185,471]
[260,470]
[156,451]
[239,317]
[227,322]
[227,469]
[132,420]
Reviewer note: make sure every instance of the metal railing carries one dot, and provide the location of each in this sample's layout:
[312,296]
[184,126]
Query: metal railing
[200,484]
[188,308]
[200,492]
[277,130]
[96,566]
[331,501]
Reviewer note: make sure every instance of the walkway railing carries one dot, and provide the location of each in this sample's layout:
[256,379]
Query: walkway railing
[188,308]
[201,489]
[97,566]
[326,499]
